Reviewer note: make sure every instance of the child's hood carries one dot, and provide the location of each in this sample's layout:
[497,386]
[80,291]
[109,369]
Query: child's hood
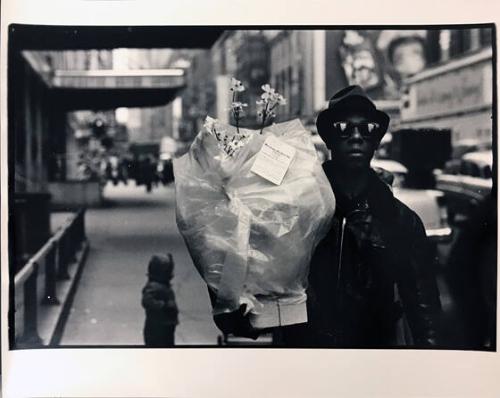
[161,268]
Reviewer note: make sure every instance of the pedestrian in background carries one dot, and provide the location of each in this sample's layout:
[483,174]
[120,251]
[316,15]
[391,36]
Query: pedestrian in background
[158,299]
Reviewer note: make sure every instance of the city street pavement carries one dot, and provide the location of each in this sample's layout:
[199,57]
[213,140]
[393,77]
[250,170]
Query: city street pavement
[123,236]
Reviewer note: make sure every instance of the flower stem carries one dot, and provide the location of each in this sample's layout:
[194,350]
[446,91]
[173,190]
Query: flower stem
[264,116]
[235,113]
[232,107]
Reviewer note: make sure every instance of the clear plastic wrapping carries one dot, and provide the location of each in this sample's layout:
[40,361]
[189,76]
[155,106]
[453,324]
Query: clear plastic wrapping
[252,240]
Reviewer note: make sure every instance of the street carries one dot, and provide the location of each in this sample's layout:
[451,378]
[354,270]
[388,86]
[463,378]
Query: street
[123,236]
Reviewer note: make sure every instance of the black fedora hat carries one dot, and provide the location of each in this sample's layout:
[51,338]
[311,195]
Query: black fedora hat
[351,97]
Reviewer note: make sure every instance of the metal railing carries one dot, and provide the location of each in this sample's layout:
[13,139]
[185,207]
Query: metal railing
[36,283]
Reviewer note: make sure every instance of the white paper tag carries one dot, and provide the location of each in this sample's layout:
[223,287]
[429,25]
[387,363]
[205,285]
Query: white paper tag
[273,160]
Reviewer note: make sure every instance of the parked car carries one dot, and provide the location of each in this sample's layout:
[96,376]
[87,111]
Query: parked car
[466,181]
[429,204]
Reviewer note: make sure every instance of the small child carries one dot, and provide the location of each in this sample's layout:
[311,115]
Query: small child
[158,300]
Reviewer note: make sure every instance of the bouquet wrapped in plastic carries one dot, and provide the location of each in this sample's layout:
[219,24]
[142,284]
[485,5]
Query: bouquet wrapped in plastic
[252,239]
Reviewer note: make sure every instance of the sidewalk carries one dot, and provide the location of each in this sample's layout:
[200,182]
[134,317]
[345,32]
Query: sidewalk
[107,309]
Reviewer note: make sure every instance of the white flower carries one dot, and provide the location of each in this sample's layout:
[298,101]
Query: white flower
[210,123]
[267,89]
[268,94]
[236,85]
[238,106]
[281,100]
[270,97]
[266,97]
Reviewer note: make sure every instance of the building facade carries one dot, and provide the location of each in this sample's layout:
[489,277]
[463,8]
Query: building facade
[456,90]
[57,135]
[197,100]
[224,65]
[292,72]
[422,78]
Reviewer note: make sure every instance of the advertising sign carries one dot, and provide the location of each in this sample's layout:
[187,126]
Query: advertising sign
[458,90]
[357,55]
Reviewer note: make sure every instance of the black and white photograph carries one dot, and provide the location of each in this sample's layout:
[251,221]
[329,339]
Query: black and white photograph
[257,187]
[252,199]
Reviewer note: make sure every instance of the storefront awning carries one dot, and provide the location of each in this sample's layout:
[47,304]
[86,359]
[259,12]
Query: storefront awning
[107,88]
[116,79]
[87,91]
[102,89]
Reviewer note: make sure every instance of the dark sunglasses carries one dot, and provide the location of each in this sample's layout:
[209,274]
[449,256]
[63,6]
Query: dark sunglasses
[345,129]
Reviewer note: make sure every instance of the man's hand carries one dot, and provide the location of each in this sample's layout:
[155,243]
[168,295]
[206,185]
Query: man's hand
[237,323]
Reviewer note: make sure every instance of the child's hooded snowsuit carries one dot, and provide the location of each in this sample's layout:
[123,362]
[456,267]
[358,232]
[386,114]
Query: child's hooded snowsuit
[158,300]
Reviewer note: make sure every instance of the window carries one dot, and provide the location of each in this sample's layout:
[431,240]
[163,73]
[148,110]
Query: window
[474,170]
[433,49]
[465,168]
[452,167]
[460,42]
[487,172]
[466,36]
[485,37]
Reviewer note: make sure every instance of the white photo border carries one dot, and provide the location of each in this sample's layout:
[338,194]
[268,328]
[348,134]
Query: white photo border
[237,372]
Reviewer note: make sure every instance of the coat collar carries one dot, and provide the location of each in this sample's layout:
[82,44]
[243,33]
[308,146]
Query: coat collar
[377,194]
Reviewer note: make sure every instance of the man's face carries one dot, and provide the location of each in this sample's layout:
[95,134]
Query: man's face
[353,140]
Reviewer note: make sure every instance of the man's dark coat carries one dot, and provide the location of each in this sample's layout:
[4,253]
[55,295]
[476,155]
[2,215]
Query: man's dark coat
[374,265]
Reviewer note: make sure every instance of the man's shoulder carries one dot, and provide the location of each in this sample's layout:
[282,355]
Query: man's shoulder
[404,210]
[406,217]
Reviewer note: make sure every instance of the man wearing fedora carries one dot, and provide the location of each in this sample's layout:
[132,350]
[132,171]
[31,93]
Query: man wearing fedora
[374,267]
